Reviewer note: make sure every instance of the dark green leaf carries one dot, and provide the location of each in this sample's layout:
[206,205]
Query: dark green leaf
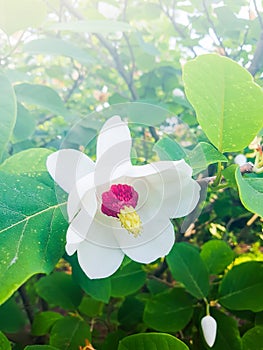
[253,339]
[227,337]
[130,313]
[217,255]
[151,341]
[99,289]
[188,268]
[12,319]
[127,280]
[69,333]
[58,289]
[241,288]
[43,322]
[90,307]
[40,347]
[169,311]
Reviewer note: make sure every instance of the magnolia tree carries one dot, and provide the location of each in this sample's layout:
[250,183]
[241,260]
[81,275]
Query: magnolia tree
[131,175]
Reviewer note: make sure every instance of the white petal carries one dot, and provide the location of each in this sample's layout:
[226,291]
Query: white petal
[209,327]
[113,132]
[97,261]
[83,195]
[113,150]
[155,247]
[67,166]
[166,190]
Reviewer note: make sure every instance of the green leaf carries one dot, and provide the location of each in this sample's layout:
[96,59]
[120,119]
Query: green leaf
[151,341]
[241,288]
[99,289]
[42,96]
[203,155]
[130,313]
[58,289]
[250,192]
[92,26]
[253,339]
[188,268]
[127,280]
[217,255]
[16,14]
[227,337]
[7,111]
[169,311]
[168,149]
[69,333]
[90,307]
[32,234]
[12,318]
[55,46]
[4,342]
[40,347]
[43,322]
[199,158]
[228,104]
[25,124]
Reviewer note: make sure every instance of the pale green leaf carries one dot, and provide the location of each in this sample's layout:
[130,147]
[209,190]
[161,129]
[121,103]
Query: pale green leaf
[228,103]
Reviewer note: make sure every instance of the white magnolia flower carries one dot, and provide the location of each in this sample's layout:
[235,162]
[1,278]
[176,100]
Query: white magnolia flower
[209,328]
[115,208]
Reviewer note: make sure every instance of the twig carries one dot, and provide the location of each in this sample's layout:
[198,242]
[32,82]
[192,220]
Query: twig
[220,43]
[26,302]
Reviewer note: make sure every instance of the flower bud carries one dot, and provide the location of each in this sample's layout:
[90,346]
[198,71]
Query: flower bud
[209,326]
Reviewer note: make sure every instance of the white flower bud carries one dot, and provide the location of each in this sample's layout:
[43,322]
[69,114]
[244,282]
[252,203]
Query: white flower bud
[240,159]
[209,327]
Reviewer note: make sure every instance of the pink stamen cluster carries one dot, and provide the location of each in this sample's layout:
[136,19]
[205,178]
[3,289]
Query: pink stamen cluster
[118,197]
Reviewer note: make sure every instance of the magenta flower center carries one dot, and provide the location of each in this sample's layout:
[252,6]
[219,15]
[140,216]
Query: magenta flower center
[118,197]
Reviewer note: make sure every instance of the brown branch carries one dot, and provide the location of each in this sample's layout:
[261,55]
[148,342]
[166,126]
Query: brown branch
[26,303]
[220,43]
[257,60]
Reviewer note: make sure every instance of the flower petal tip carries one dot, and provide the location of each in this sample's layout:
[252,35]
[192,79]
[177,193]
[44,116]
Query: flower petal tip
[209,328]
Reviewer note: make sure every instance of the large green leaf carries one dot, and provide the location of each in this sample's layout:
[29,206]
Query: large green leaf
[69,333]
[188,268]
[42,96]
[228,104]
[227,337]
[55,46]
[92,26]
[151,341]
[32,227]
[241,288]
[99,289]
[253,339]
[17,14]
[7,111]
[127,280]
[250,192]
[58,289]
[169,311]
[217,255]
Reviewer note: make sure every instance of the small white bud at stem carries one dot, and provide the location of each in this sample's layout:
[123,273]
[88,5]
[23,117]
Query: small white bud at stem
[209,327]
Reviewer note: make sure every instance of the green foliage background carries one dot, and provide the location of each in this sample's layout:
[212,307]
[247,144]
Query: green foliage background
[193,70]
